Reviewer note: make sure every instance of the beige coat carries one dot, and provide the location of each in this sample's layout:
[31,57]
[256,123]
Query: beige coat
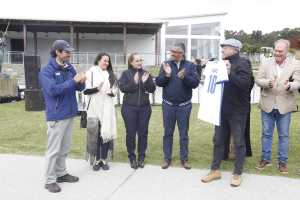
[284,101]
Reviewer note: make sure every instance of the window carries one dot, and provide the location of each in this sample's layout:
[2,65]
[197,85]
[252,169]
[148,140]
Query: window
[18,46]
[205,48]
[177,30]
[171,41]
[206,29]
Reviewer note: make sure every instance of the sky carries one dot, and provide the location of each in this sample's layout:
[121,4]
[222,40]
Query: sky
[248,15]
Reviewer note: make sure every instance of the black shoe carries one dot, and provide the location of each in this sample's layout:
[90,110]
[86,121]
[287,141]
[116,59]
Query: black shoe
[97,165]
[133,164]
[141,163]
[105,166]
[53,187]
[67,178]
[166,164]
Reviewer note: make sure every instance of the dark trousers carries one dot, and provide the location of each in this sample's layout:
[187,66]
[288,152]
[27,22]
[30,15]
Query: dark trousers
[171,115]
[234,124]
[136,119]
[247,141]
[102,148]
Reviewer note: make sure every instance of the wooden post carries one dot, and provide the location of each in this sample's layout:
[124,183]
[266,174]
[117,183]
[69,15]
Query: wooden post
[157,48]
[35,43]
[77,46]
[77,41]
[124,42]
[25,37]
[72,36]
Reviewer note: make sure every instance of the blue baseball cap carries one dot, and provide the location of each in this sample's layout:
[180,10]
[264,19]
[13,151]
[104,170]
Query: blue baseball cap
[62,45]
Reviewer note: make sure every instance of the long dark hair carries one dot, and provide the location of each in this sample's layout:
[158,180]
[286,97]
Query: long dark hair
[112,78]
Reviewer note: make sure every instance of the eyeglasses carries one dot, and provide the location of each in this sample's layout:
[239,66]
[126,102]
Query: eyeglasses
[177,52]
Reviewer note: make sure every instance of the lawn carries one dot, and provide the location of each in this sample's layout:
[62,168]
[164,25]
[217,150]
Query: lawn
[24,132]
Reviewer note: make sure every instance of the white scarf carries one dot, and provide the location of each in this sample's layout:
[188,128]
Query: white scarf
[101,105]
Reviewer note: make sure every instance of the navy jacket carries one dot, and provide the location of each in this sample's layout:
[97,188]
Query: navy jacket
[236,95]
[135,94]
[176,90]
[59,90]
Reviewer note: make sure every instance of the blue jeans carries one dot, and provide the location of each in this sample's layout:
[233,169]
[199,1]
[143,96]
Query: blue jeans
[283,125]
[171,115]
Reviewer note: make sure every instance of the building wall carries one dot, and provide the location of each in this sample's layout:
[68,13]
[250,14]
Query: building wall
[92,44]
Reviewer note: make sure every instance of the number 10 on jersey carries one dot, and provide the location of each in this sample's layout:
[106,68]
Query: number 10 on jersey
[212,84]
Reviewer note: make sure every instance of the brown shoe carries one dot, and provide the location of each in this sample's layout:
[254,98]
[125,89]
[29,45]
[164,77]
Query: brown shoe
[282,167]
[166,164]
[213,175]
[236,180]
[185,164]
[262,164]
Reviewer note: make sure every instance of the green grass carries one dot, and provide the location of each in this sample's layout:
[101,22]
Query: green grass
[24,132]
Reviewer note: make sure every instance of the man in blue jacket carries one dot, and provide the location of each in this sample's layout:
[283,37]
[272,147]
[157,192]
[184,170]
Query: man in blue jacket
[177,77]
[59,82]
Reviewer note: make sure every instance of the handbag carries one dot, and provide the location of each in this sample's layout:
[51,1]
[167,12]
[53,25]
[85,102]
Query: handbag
[83,114]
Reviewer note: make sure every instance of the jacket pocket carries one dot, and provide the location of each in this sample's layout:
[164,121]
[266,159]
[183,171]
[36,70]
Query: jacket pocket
[51,124]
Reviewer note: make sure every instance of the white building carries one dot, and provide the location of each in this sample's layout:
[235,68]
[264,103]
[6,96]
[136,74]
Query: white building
[151,38]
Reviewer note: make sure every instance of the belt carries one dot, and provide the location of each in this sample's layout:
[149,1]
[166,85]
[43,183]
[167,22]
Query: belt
[174,104]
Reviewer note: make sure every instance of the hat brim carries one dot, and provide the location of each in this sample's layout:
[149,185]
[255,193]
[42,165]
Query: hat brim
[228,45]
[69,49]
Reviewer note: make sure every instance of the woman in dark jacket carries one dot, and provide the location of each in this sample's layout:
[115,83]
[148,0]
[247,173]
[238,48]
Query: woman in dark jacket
[136,84]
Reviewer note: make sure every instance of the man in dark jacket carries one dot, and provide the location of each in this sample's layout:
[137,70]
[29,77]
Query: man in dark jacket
[177,77]
[234,111]
[229,142]
[59,82]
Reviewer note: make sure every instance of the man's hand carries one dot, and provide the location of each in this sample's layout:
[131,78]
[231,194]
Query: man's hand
[136,78]
[145,77]
[228,66]
[181,73]
[167,69]
[80,77]
[204,61]
[272,82]
[287,85]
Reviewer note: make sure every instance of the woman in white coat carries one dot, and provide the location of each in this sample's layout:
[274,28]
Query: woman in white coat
[101,87]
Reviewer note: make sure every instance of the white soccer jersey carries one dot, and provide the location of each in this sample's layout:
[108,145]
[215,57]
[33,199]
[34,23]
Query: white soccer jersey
[212,91]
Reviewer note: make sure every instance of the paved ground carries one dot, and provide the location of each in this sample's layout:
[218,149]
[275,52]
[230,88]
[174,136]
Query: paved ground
[21,178]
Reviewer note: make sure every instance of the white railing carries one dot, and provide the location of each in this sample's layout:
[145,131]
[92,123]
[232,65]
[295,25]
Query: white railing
[13,57]
[84,58]
[88,58]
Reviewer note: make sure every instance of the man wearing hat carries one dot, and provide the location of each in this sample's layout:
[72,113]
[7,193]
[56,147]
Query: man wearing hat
[177,77]
[234,110]
[59,82]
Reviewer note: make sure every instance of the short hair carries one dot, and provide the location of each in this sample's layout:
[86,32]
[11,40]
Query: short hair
[284,41]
